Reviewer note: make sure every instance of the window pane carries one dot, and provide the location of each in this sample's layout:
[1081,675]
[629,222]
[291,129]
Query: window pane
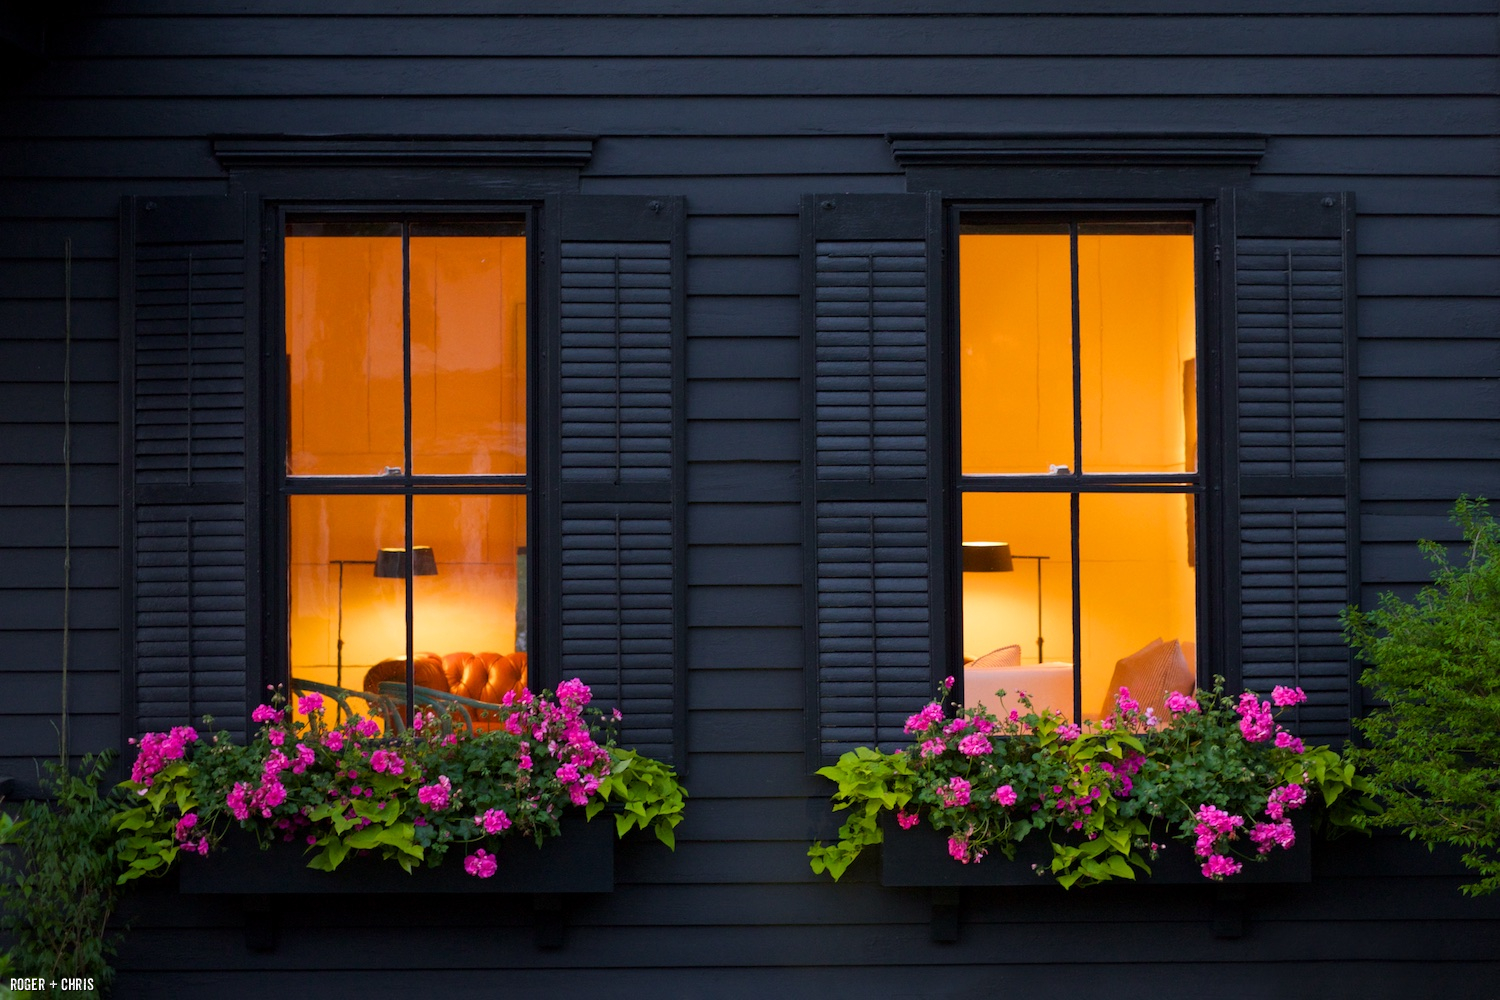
[1137,349]
[344,357]
[1015,351]
[1137,585]
[471,614]
[333,592]
[1000,604]
[468,354]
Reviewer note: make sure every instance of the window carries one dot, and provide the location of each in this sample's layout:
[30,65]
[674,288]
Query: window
[465,401]
[407,487]
[993,322]
[1078,474]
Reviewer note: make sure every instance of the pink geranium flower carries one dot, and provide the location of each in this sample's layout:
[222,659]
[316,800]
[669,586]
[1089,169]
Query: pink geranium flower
[1285,697]
[956,792]
[494,821]
[435,795]
[974,745]
[1220,865]
[480,864]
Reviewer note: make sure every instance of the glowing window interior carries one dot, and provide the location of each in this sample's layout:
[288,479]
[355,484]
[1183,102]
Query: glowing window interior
[1079,473]
[406,389]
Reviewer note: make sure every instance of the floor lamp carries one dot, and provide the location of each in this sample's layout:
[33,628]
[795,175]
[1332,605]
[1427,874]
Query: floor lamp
[996,557]
[390,564]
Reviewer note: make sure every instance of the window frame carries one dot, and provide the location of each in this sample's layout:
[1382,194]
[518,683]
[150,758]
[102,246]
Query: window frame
[274,519]
[1212,564]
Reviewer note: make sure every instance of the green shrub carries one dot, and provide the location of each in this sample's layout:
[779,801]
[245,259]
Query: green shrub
[1433,753]
[57,879]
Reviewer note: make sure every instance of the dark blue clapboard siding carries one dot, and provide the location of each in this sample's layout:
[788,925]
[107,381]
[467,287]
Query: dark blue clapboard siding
[742,107]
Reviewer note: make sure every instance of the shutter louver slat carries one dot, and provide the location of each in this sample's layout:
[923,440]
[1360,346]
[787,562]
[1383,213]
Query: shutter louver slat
[870,413]
[617,626]
[1294,558]
[871,360]
[615,361]
[187,378]
[1294,416]
[618,380]
[1291,372]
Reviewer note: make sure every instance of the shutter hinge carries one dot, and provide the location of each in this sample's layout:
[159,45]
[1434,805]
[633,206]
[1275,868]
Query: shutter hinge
[1217,257]
[265,254]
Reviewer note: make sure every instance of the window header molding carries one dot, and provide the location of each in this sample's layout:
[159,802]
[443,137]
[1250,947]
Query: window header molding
[1116,167]
[343,151]
[1077,149]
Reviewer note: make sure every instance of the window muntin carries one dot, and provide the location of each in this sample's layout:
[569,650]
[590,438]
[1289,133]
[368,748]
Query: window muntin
[407,350]
[1078,449]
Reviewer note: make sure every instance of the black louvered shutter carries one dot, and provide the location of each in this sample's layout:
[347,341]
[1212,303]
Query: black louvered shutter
[184,360]
[620,454]
[1293,353]
[872,466]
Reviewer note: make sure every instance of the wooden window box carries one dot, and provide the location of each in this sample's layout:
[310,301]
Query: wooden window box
[919,857]
[580,860]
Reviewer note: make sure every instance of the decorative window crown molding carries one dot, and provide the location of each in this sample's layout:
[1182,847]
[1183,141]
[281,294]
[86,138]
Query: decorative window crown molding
[462,151]
[1076,149]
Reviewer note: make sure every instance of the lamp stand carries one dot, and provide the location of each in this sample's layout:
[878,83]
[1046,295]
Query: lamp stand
[339,648]
[1038,601]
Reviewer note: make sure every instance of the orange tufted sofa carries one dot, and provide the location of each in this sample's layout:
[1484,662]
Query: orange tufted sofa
[477,676]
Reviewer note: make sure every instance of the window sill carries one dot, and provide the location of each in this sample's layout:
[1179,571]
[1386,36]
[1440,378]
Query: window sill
[919,858]
[581,859]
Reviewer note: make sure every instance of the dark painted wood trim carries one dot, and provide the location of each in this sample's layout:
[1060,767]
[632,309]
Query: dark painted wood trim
[807,312]
[1111,150]
[344,151]
[1224,511]
[126,515]
[1357,703]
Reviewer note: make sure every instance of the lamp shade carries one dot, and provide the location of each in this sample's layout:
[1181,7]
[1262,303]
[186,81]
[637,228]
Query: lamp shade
[391,563]
[987,557]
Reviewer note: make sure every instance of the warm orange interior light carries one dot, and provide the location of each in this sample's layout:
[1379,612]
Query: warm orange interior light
[1016,352]
[347,413]
[344,354]
[1137,312]
[1000,609]
[343,329]
[1135,580]
[468,355]
[1135,584]
[1138,402]
[470,605]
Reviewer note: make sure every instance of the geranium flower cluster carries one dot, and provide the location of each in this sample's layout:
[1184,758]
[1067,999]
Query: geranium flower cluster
[560,728]
[1257,718]
[157,749]
[1214,831]
[987,783]
[322,781]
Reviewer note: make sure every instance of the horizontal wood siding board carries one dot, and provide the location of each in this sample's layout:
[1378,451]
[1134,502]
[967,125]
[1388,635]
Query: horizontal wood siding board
[773,74]
[1462,115]
[799,8]
[992,33]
